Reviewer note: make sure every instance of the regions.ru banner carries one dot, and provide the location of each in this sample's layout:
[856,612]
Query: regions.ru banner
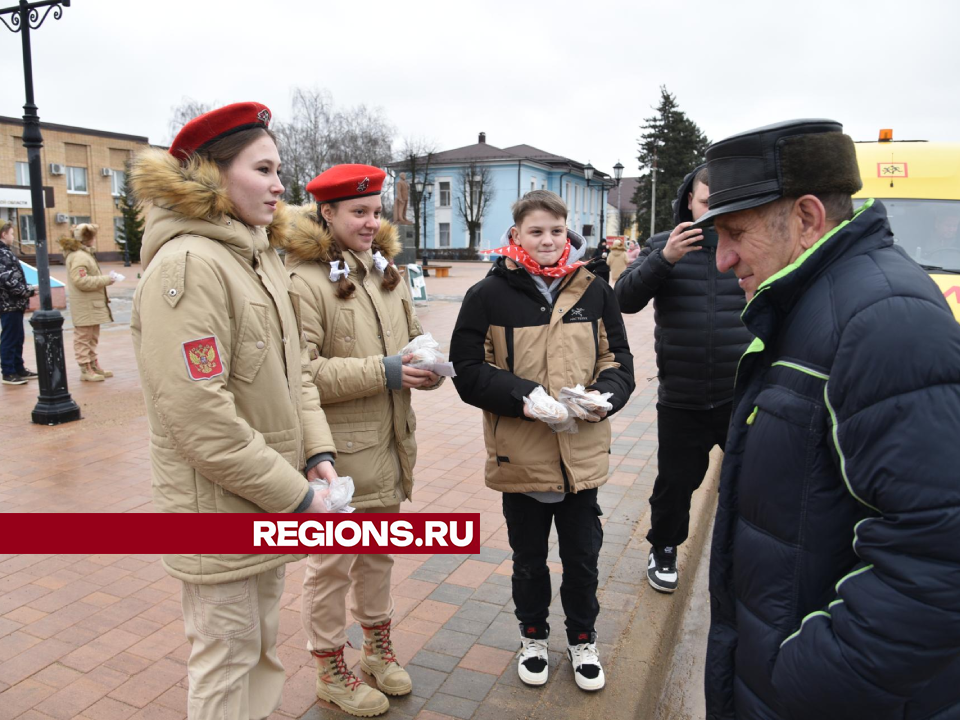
[239,533]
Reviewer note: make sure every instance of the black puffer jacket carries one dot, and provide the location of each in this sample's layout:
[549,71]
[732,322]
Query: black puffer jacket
[15,294]
[699,336]
[835,569]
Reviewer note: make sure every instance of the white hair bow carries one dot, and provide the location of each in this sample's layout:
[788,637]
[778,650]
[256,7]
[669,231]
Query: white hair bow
[380,262]
[337,273]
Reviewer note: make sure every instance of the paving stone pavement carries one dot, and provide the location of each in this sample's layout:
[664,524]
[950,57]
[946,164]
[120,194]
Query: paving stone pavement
[101,636]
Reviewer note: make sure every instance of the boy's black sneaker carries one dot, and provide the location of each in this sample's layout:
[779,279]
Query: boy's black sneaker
[14,380]
[532,660]
[662,569]
[27,375]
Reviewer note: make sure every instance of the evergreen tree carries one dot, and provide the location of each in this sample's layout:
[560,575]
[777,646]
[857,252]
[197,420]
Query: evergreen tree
[295,194]
[132,225]
[675,145]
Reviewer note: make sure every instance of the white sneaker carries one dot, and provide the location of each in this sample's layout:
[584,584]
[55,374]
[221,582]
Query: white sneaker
[587,670]
[533,664]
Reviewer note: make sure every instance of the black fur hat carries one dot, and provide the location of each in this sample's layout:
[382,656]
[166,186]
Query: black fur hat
[788,159]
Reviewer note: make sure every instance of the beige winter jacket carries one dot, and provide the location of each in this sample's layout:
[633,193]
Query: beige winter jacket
[86,286]
[373,427]
[616,260]
[232,408]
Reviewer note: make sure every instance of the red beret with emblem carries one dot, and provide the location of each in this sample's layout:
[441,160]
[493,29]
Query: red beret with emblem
[345,182]
[217,124]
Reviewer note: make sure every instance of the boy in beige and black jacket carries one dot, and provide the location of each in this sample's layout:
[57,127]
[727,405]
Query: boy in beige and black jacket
[541,319]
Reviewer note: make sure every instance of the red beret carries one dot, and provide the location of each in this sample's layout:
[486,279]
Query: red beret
[216,124]
[345,182]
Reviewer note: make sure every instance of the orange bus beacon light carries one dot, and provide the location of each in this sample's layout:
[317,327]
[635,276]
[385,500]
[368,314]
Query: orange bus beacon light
[886,135]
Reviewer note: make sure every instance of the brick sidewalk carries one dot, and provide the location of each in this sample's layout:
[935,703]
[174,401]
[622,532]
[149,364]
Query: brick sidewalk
[101,637]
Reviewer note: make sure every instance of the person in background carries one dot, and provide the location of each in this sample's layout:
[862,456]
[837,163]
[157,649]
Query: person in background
[616,259]
[15,297]
[89,302]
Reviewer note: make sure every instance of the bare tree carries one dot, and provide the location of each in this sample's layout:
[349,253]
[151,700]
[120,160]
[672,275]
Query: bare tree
[417,156]
[361,135]
[474,195]
[186,111]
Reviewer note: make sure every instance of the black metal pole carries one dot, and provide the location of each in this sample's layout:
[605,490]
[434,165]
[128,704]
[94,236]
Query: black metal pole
[54,404]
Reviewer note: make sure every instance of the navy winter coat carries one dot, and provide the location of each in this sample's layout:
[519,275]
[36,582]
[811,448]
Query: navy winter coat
[15,294]
[699,336]
[835,574]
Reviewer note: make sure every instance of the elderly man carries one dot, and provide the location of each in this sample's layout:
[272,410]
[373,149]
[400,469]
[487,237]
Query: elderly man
[835,575]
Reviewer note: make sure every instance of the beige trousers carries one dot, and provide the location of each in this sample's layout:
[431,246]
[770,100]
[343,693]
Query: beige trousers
[234,670]
[325,586]
[85,339]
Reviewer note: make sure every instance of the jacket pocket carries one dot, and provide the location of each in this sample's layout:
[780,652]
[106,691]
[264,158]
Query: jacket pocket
[355,437]
[252,344]
[344,333]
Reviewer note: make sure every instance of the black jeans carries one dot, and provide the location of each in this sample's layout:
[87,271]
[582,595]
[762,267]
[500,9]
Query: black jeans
[11,343]
[580,535]
[686,438]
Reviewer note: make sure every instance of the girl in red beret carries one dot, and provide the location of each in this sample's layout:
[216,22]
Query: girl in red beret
[235,418]
[358,315]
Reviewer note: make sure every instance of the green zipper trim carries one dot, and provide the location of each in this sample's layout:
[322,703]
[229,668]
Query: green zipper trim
[851,575]
[753,416]
[836,442]
[807,253]
[801,368]
[834,604]
[855,538]
[803,622]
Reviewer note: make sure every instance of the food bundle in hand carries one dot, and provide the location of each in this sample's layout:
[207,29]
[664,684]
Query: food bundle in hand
[427,356]
[583,404]
[544,408]
[117,277]
[340,493]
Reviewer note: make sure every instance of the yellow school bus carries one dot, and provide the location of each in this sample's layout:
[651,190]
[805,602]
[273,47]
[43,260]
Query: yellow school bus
[919,184]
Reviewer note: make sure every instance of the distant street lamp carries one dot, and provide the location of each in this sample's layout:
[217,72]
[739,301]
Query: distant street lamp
[588,172]
[618,176]
[54,404]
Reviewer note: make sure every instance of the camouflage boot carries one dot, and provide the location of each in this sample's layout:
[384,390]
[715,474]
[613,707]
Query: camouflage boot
[336,684]
[88,373]
[379,660]
[100,370]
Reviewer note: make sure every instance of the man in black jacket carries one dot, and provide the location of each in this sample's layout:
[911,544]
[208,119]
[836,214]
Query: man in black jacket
[15,297]
[699,338]
[835,568]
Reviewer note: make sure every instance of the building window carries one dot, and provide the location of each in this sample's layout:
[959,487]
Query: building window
[118,229]
[444,235]
[118,181]
[28,231]
[543,184]
[79,219]
[533,184]
[444,194]
[76,180]
[23,173]
[576,198]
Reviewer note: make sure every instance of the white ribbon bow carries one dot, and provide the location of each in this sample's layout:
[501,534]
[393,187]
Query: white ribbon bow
[380,262]
[337,273]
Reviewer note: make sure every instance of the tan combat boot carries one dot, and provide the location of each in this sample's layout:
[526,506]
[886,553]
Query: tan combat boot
[101,371]
[88,373]
[336,684]
[379,660]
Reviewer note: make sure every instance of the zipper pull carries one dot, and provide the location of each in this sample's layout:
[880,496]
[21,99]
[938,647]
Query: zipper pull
[753,416]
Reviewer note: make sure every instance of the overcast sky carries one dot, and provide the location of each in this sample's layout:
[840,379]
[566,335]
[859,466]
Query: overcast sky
[572,78]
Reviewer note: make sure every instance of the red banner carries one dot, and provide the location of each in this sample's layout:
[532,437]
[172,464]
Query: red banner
[240,533]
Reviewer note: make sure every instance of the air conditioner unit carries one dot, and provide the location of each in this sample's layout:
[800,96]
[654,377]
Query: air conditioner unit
[106,172]
[62,218]
[57,169]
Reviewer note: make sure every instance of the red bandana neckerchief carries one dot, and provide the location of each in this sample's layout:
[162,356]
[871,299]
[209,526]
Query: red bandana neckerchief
[522,257]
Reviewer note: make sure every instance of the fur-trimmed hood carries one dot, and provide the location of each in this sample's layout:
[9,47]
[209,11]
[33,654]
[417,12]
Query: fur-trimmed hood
[69,244]
[305,239]
[191,199]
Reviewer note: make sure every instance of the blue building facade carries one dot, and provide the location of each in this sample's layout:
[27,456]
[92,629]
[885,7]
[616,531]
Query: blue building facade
[512,172]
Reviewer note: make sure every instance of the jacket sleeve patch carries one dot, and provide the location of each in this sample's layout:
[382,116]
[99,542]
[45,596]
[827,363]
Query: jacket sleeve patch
[82,272]
[202,358]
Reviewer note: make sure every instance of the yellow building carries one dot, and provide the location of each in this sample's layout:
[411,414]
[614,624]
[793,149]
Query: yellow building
[83,176]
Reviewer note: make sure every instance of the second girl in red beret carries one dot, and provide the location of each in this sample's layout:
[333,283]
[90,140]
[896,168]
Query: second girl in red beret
[357,315]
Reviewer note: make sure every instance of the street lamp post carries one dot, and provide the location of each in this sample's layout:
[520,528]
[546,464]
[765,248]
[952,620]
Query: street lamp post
[588,172]
[54,404]
[618,176]
[653,196]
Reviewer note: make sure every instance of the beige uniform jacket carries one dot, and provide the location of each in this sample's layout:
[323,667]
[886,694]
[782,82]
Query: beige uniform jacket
[86,286]
[617,261]
[373,427]
[232,408]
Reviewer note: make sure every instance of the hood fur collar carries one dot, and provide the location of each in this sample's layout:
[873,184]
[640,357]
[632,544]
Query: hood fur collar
[70,244]
[303,237]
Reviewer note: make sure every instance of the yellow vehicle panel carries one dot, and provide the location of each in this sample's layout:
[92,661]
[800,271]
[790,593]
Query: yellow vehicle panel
[950,285]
